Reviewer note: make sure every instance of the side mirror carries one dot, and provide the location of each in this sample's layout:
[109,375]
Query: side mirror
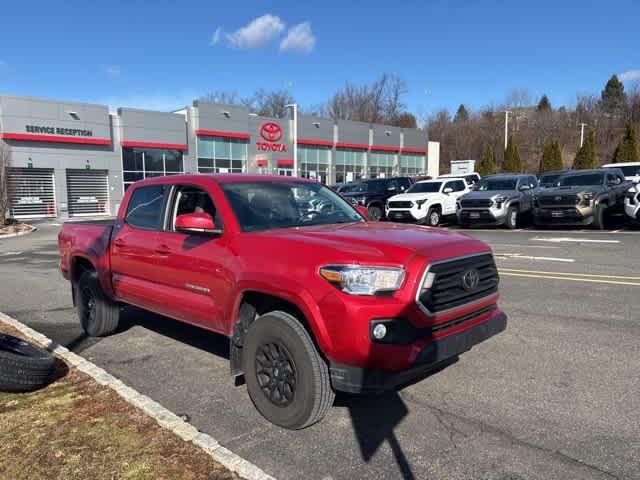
[197,222]
[448,190]
[391,189]
[363,211]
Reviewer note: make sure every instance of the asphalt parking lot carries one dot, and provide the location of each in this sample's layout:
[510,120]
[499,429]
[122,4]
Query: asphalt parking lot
[555,396]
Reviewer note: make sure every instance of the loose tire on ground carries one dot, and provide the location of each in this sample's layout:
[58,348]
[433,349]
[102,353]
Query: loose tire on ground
[287,379]
[511,222]
[24,367]
[98,315]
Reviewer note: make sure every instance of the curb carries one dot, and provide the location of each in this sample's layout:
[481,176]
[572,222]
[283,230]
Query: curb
[151,408]
[19,234]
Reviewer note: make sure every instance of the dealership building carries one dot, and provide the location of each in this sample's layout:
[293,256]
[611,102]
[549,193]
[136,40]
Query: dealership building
[74,159]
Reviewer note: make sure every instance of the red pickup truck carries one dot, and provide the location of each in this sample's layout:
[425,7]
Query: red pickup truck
[313,297]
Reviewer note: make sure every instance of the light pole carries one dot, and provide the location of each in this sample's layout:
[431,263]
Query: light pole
[294,107]
[582,125]
[506,127]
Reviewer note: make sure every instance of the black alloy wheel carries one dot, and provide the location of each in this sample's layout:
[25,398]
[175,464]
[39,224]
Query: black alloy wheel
[276,373]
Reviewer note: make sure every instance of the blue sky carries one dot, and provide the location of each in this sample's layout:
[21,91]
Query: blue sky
[164,54]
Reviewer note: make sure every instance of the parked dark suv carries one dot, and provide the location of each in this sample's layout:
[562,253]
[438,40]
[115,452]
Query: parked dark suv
[501,199]
[375,192]
[582,197]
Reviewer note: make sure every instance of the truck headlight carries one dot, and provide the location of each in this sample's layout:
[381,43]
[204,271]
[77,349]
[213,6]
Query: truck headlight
[419,203]
[499,200]
[357,280]
[587,197]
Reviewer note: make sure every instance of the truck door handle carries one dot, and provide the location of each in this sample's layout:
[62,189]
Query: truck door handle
[163,250]
[118,243]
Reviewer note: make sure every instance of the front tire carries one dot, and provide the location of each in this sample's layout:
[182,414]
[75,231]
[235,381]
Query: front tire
[375,213]
[287,379]
[99,316]
[433,218]
[598,220]
[511,222]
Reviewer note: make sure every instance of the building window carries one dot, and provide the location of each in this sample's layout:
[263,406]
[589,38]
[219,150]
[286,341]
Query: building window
[349,165]
[140,163]
[381,164]
[314,162]
[412,164]
[222,155]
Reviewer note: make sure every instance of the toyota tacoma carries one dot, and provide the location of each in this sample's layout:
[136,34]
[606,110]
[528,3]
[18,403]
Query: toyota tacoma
[312,296]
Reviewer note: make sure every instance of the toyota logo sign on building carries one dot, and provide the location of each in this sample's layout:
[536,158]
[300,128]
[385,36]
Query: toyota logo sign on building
[271,132]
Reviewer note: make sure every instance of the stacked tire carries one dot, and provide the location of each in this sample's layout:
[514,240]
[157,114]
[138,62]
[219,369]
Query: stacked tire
[24,367]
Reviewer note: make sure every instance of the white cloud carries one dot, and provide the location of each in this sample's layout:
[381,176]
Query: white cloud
[299,38]
[216,37]
[630,75]
[112,71]
[258,33]
[163,102]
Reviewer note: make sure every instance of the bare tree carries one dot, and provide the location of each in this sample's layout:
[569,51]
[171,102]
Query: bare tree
[5,157]
[271,104]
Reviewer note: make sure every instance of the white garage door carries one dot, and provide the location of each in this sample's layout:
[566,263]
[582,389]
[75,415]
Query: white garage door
[87,192]
[32,192]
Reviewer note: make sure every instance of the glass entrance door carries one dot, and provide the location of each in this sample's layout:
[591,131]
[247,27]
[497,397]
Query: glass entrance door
[285,172]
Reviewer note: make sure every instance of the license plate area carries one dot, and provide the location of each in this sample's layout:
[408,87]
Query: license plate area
[557,214]
[474,214]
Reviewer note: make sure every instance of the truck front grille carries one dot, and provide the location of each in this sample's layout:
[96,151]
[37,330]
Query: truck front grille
[476,203]
[399,204]
[557,200]
[454,283]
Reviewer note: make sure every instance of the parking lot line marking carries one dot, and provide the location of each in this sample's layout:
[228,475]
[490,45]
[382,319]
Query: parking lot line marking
[529,257]
[570,279]
[570,274]
[569,239]
[6,254]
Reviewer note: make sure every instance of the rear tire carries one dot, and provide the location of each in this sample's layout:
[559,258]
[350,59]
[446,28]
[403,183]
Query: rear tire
[287,379]
[511,222]
[98,314]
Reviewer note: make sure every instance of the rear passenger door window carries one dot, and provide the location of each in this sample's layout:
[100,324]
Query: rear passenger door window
[145,207]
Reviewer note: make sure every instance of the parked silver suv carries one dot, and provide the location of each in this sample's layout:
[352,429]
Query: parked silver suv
[502,199]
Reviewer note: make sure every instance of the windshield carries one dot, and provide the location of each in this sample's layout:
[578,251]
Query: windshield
[579,180]
[370,186]
[549,180]
[490,184]
[264,206]
[427,187]
[630,170]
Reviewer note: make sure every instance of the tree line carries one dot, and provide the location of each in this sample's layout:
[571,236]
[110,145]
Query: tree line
[543,138]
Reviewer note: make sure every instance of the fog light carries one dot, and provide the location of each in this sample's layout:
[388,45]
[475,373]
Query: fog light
[379,331]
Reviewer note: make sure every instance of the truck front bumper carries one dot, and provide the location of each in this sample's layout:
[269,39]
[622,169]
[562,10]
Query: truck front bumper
[406,215]
[482,216]
[353,379]
[564,216]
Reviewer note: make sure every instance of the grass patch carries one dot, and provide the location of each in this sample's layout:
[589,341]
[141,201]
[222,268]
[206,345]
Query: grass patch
[78,429]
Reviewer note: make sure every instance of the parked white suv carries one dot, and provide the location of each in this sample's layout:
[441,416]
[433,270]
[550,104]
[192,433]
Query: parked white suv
[630,170]
[427,202]
[632,203]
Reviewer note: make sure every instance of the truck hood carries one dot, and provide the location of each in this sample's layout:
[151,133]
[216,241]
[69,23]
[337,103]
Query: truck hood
[414,196]
[378,242]
[476,195]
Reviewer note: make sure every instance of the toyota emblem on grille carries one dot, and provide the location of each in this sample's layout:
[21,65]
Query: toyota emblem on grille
[557,199]
[470,279]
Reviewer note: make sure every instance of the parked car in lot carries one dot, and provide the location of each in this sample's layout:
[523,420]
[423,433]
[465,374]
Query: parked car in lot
[551,178]
[582,197]
[501,199]
[471,178]
[632,203]
[375,192]
[313,297]
[343,187]
[630,170]
[427,202]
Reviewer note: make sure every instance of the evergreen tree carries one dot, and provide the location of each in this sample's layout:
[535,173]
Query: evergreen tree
[627,149]
[487,165]
[551,157]
[556,158]
[512,163]
[613,96]
[544,105]
[586,156]
[462,115]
